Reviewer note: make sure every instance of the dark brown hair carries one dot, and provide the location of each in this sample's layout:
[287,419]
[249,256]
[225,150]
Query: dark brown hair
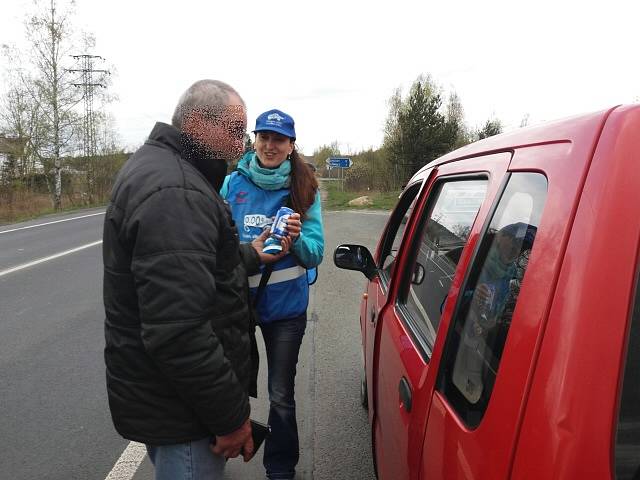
[303,184]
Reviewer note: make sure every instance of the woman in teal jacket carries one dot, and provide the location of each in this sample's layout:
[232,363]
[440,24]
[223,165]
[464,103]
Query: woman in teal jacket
[272,176]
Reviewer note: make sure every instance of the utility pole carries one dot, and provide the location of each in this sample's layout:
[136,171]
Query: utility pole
[89,83]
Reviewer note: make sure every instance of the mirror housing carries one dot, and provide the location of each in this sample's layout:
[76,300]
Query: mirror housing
[355,257]
[418,274]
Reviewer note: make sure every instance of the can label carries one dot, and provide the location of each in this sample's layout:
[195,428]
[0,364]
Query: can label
[486,319]
[279,225]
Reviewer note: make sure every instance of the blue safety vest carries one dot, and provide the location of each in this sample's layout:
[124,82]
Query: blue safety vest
[287,292]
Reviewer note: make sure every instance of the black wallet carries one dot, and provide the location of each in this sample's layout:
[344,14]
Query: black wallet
[259,431]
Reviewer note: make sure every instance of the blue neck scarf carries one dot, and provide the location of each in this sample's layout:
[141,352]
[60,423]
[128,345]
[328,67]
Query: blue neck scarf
[265,178]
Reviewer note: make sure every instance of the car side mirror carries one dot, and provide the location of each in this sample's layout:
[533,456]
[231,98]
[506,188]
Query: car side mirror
[355,257]
[418,274]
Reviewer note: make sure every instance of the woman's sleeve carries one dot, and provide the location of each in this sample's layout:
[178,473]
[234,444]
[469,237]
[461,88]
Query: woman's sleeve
[309,247]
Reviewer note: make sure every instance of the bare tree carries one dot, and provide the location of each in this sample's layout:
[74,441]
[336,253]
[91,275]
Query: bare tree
[110,153]
[16,115]
[50,36]
[19,113]
[41,111]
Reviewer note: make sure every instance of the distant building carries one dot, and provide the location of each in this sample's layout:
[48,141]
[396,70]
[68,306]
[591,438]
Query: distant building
[10,148]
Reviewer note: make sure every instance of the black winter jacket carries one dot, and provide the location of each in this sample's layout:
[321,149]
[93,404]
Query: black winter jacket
[178,324]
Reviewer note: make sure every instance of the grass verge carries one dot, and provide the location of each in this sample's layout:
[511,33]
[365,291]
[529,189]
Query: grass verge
[35,206]
[339,200]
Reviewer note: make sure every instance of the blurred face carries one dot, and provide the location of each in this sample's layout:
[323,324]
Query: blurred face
[272,148]
[220,131]
[507,248]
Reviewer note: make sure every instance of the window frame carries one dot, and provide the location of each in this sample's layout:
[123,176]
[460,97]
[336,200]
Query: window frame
[391,231]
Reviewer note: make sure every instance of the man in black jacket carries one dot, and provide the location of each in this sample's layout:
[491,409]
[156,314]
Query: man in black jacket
[178,327]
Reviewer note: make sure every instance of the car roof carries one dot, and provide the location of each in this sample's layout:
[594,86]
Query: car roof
[568,129]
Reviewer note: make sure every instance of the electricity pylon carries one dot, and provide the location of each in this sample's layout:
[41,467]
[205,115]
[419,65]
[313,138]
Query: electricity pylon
[91,79]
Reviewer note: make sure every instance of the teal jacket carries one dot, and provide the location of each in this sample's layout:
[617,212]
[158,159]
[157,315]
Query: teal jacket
[309,247]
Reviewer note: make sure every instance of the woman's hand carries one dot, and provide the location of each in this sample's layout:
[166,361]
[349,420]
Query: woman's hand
[294,226]
[482,294]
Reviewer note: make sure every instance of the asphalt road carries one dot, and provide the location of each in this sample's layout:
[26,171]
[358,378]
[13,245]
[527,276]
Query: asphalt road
[55,421]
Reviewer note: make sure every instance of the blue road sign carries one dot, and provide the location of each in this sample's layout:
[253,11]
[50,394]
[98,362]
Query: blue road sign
[339,162]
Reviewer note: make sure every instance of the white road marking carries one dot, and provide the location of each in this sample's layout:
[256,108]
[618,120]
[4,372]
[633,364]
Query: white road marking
[46,259]
[128,463]
[51,223]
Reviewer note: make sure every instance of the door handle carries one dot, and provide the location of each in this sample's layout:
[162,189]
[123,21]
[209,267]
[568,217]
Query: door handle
[372,316]
[405,394]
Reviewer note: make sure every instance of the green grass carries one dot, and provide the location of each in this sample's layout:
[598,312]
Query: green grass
[338,200]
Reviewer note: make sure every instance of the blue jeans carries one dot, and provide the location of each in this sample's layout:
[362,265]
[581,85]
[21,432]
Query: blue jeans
[186,461]
[282,340]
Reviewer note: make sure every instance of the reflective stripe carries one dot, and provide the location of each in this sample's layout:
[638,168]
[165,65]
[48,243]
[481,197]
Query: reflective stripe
[278,276]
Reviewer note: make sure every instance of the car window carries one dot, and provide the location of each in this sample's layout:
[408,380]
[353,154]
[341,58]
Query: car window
[628,433]
[488,300]
[453,207]
[395,231]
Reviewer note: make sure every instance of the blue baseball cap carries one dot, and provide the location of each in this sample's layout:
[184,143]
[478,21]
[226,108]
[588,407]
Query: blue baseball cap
[276,121]
[521,232]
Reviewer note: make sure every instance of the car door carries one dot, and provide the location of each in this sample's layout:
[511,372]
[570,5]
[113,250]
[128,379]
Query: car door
[498,317]
[422,280]
[378,289]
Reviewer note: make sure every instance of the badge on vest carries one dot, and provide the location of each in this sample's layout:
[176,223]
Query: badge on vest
[255,220]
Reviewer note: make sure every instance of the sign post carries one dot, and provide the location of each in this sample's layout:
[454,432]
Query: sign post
[340,163]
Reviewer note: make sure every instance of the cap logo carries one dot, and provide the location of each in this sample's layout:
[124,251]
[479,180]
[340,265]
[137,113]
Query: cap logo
[275,116]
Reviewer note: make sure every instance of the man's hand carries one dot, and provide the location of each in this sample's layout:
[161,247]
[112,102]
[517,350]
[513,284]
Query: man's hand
[265,258]
[239,441]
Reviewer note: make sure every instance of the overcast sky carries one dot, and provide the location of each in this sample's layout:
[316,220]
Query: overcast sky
[334,64]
